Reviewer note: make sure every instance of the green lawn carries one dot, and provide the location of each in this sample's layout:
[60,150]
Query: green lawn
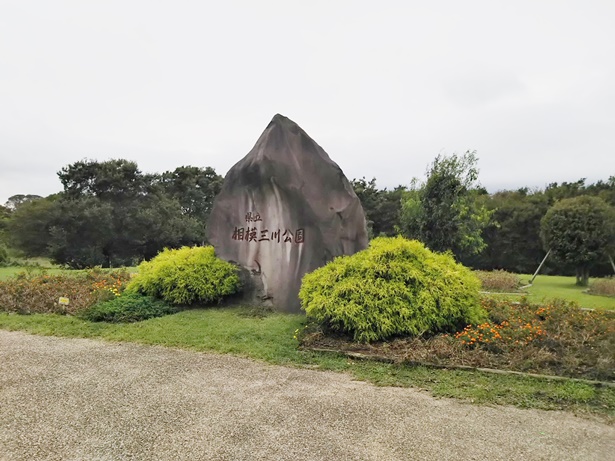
[237,331]
[546,287]
[7,272]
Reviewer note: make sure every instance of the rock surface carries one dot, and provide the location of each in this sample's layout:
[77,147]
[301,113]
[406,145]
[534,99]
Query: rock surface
[286,209]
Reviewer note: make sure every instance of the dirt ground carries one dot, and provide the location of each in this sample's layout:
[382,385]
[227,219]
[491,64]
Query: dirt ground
[77,399]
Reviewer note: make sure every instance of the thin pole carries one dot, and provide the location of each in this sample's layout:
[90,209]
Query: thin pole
[538,270]
[612,263]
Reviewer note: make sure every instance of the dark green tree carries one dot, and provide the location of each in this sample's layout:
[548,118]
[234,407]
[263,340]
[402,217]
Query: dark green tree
[5,214]
[115,180]
[444,212]
[512,236]
[112,214]
[579,231]
[194,188]
[28,228]
[382,207]
[81,233]
[15,201]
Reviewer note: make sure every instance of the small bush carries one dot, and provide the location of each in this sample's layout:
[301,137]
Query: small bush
[394,287]
[498,281]
[186,276]
[603,287]
[36,292]
[129,307]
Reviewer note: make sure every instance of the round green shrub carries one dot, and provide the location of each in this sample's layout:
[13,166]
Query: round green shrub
[186,276]
[394,287]
[128,307]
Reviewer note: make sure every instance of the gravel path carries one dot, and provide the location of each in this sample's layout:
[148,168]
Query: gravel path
[78,399]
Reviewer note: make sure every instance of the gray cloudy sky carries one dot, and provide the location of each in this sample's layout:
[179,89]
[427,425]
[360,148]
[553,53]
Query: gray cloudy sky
[383,86]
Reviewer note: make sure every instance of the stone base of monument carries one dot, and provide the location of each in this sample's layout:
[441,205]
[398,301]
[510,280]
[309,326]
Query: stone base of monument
[252,291]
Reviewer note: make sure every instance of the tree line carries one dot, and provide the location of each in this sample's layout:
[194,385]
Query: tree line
[511,230]
[111,214]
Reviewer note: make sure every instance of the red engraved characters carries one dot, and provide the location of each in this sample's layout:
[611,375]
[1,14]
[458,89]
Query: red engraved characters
[252,217]
[288,236]
[300,236]
[252,234]
[264,235]
[238,233]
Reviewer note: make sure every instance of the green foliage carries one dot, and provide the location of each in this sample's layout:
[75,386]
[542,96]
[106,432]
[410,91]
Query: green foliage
[15,201]
[186,276]
[113,180]
[194,188]
[5,214]
[382,207]
[4,255]
[129,307]
[579,231]
[394,287]
[513,233]
[444,212]
[29,226]
[79,233]
[111,214]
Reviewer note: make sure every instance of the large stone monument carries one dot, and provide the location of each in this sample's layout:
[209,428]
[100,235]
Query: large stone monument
[285,209]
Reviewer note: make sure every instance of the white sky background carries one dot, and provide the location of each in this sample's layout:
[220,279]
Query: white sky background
[383,86]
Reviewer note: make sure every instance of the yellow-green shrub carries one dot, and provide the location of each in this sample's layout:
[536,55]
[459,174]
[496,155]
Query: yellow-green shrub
[394,287]
[186,276]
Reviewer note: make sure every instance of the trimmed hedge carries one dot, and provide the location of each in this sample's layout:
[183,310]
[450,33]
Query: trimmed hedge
[186,276]
[394,287]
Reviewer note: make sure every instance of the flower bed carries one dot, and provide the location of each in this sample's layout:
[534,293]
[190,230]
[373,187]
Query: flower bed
[39,293]
[554,339]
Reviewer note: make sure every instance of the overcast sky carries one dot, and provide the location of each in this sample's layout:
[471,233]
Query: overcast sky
[382,86]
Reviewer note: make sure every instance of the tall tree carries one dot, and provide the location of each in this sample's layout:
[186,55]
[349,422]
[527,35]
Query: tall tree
[28,228]
[5,214]
[112,180]
[194,188]
[580,231]
[15,201]
[382,207]
[443,212]
[113,214]
[513,233]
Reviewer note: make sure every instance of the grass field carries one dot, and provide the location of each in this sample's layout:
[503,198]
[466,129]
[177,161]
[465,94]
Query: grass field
[546,287]
[7,272]
[238,331]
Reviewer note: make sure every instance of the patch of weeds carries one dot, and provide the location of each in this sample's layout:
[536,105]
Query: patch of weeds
[603,287]
[499,281]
